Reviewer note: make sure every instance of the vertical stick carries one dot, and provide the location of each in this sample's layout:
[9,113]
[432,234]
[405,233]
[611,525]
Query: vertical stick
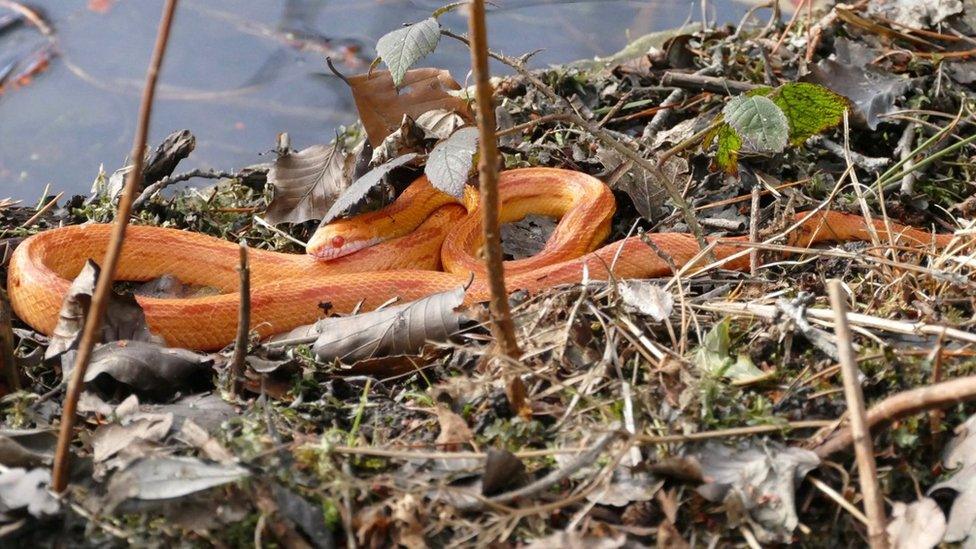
[501,318]
[863,445]
[243,323]
[7,360]
[754,230]
[93,322]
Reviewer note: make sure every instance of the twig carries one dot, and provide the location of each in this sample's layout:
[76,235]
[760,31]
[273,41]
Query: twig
[905,403]
[857,319]
[531,124]
[869,163]
[8,362]
[863,445]
[150,190]
[103,287]
[905,148]
[754,229]
[839,499]
[243,323]
[816,31]
[43,210]
[502,326]
[706,83]
[546,482]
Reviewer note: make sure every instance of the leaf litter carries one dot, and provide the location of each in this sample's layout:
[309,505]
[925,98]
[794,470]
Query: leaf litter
[694,420]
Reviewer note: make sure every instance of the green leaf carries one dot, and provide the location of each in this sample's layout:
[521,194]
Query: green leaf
[729,144]
[713,355]
[743,370]
[402,48]
[809,108]
[761,124]
[450,162]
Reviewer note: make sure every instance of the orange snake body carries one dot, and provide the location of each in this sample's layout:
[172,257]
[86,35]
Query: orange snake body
[397,252]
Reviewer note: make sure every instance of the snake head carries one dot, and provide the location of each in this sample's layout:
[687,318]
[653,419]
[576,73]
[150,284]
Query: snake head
[337,240]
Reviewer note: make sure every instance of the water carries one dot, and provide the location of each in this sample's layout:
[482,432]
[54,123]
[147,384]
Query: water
[238,72]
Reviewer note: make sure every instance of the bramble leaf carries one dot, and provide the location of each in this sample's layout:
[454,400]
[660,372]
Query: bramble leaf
[401,48]
[810,109]
[450,162]
[761,124]
[729,144]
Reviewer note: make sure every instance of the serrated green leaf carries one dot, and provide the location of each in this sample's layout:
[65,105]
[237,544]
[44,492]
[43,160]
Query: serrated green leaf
[810,109]
[760,123]
[450,162]
[729,144]
[402,48]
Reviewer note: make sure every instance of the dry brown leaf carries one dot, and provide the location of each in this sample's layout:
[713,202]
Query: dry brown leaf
[455,433]
[381,106]
[398,330]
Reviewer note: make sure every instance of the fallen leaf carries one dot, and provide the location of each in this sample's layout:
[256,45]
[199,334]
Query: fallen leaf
[872,91]
[455,433]
[648,298]
[146,368]
[918,525]
[398,330]
[574,539]
[197,436]
[449,164]
[760,479]
[401,48]
[407,514]
[357,191]
[123,319]
[381,106]
[112,438]
[916,13]
[961,524]
[306,515]
[409,138]
[528,236]
[440,123]
[503,471]
[626,487]
[307,182]
[22,488]
[168,477]
[28,447]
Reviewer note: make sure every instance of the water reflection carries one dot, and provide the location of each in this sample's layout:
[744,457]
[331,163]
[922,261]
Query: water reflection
[238,72]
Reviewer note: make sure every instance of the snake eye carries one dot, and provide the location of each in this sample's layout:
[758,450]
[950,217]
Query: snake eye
[338,241]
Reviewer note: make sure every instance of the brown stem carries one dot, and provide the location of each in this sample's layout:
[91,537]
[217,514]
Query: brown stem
[9,361]
[103,288]
[867,469]
[905,403]
[243,323]
[502,326]
[706,83]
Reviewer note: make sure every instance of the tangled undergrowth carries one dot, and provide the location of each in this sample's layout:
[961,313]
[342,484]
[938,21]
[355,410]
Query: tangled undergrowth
[691,410]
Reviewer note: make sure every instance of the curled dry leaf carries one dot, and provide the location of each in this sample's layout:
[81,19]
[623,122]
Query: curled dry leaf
[382,106]
[112,438]
[22,488]
[307,182]
[503,471]
[440,123]
[169,477]
[27,448]
[918,525]
[455,433]
[648,298]
[959,455]
[145,368]
[124,318]
[398,330]
[760,480]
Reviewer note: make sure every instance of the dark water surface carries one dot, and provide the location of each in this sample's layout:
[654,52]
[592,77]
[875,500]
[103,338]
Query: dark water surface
[238,72]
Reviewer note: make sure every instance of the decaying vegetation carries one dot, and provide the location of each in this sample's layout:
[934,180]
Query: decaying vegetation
[705,408]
